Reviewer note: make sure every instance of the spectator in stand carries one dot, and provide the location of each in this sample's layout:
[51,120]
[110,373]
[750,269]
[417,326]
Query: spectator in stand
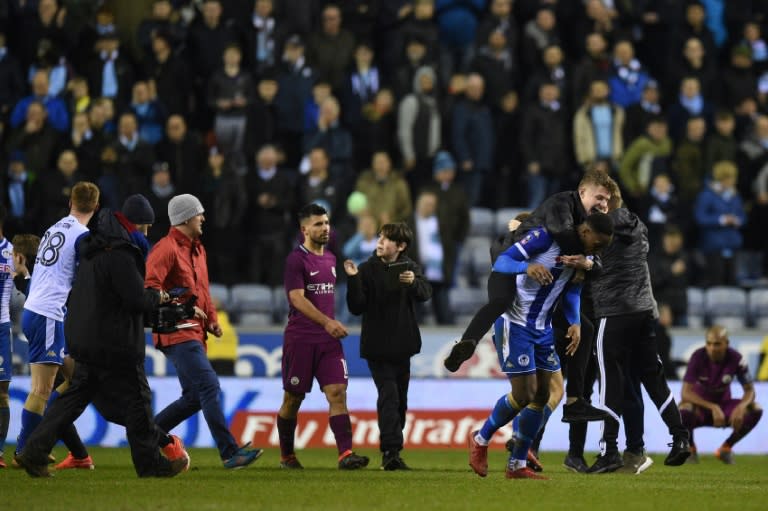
[690,103]
[185,154]
[694,64]
[497,64]
[688,162]
[58,116]
[162,19]
[294,79]
[598,128]
[36,139]
[388,195]
[361,17]
[78,96]
[42,24]
[554,70]
[594,65]
[660,209]
[362,244]
[263,38]
[101,116]
[230,93]
[225,196]
[11,80]
[753,38]
[378,129]
[721,143]
[207,37]
[57,188]
[637,166]
[337,142]
[150,113]
[499,19]
[473,139]
[419,128]
[639,114]
[706,396]
[695,27]
[330,49]
[433,253]
[361,85]
[414,58]
[263,116]
[758,216]
[159,193]
[507,175]
[87,145]
[737,80]
[321,90]
[134,164]
[110,74]
[538,33]
[168,75]
[545,145]
[23,198]
[420,26]
[669,268]
[719,214]
[271,203]
[318,186]
[629,77]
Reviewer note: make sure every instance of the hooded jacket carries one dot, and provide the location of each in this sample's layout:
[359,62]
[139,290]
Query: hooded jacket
[560,214]
[624,285]
[389,331]
[105,319]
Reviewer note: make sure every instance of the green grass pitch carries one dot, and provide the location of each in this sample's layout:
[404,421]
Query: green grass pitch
[440,480]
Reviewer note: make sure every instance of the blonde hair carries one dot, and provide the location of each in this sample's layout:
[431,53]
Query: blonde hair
[85,197]
[724,170]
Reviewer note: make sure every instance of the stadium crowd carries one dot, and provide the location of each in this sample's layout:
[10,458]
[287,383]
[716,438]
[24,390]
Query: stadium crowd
[425,107]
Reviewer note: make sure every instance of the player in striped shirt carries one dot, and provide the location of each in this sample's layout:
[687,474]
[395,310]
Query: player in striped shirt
[6,362]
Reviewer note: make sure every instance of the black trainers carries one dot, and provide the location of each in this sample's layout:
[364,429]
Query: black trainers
[460,352]
[291,462]
[606,463]
[575,464]
[351,461]
[33,469]
[581,411]
[679,452]
[391,460]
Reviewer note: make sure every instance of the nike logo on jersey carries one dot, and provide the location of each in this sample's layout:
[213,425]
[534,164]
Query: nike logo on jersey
[313,273]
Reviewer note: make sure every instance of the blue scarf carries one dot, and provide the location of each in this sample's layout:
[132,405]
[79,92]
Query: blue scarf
[140,241]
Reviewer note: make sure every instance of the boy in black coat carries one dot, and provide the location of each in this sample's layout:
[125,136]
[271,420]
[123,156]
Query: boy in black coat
[385,290]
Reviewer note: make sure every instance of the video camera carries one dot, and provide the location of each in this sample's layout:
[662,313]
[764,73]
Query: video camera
[167,317]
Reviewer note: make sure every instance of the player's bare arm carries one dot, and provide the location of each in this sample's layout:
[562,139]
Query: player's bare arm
[303,305]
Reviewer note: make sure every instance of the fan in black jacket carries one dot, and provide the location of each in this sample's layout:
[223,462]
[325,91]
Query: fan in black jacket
[105,330]
[385,290]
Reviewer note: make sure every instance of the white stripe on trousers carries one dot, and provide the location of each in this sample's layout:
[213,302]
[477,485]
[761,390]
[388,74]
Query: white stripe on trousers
[599,340]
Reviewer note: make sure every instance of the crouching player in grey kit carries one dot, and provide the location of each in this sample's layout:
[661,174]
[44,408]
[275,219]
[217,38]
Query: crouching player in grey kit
[385,290]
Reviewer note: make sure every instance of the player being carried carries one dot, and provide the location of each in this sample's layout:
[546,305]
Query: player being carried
[524,339]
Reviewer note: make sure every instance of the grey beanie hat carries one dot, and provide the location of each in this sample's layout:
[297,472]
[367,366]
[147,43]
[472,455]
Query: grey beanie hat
[183,207]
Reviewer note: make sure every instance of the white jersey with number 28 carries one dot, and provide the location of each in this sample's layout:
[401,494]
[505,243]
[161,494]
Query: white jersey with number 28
[54,270]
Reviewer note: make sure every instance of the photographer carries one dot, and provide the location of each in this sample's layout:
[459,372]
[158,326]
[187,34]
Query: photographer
[105,328]
[178,260]
[384,290]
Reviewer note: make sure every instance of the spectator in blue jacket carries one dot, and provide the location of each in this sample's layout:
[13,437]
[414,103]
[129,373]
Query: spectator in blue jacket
[58,117]
[629,76]
[719,213]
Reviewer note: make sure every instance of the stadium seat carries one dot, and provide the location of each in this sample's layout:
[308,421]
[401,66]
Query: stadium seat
[481,222]
[252,304]
[280,303]
[221,293]
[726,306]
[503,216]
[466,301]
[758,308]
[696,309]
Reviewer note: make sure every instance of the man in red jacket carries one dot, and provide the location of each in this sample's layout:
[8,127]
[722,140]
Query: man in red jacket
[178,261]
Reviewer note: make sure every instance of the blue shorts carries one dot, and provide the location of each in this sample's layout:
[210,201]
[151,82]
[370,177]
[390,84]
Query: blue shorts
[6,352]
[45,337]
[522,350]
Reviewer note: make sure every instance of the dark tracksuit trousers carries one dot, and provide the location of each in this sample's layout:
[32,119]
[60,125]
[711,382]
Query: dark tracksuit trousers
[124,389]
[626,344]
[391,379]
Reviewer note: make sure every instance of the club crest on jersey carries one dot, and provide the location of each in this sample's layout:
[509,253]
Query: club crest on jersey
[523,360]
[294,380]
[7,253]
[727,379]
